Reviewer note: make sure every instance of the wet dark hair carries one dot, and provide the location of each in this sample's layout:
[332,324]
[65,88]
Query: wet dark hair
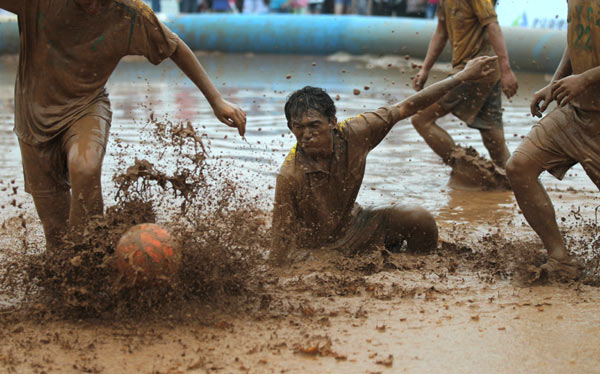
[307,98]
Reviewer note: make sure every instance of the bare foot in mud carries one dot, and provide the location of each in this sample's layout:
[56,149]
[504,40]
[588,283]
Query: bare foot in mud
[470,170]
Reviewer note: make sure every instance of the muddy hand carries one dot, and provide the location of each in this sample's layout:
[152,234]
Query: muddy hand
[420,79]
[478,68]
[566,89]
[231,115]
[543,96]
[509,84]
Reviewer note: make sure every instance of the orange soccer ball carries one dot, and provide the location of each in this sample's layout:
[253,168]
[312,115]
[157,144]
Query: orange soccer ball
[145,254]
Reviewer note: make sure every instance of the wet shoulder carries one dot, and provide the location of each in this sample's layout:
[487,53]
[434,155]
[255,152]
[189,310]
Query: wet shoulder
[346,127]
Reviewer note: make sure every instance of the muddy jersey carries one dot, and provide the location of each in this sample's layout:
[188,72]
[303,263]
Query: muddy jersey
[67,55]
[584,47]
[314,205]
[465,22]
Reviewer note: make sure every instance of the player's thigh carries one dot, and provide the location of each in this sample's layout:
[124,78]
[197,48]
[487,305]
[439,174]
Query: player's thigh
[85,144]
[548,146]
[44,168]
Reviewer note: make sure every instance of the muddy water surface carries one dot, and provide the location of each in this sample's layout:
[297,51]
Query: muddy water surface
[402,169]
[457,311]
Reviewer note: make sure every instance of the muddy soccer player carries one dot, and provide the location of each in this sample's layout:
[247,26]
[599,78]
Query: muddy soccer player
[68,50]
[473,30]
[317,185]
[568,135]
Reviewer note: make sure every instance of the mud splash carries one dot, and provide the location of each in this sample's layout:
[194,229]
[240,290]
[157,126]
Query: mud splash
[215,220]
[469,169]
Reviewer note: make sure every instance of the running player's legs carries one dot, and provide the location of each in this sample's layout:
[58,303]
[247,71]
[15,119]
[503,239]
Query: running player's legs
[549,147]
[85,145]
[46,179]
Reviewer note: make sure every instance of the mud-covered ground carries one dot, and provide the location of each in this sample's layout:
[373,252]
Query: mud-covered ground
[470,306]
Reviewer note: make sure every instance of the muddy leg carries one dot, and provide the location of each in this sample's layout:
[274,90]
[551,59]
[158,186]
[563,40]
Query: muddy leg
[84,160]
[53,211]
[535,203]
[436,137]
[413,224]
[493,140]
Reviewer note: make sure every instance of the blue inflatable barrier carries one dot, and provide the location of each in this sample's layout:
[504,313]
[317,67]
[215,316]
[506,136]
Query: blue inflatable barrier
[529,49]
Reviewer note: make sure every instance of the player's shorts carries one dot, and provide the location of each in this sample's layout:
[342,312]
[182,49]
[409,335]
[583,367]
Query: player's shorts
[563,138]
[366,230]
[479,105]
[45,165]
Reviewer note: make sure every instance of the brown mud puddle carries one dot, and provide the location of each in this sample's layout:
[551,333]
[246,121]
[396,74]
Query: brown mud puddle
[450,311]
[463,308]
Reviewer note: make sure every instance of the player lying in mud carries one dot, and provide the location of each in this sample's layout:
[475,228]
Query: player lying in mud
[315,196]
[568,135]
[68,50]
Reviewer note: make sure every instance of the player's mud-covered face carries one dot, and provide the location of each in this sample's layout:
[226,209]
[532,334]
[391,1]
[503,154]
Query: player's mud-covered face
[313,133]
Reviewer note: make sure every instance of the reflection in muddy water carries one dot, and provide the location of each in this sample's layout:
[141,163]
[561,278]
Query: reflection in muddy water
[402,169]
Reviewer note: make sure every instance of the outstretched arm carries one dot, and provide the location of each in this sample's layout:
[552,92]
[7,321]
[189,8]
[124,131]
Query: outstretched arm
[477,68]
[228,113]
[544,96]
[436,46]
[508,78]
[371,128]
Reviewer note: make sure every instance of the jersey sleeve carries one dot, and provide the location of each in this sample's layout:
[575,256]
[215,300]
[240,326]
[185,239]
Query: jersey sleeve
[441,15]
[485,11]
[368,129]
[150,37]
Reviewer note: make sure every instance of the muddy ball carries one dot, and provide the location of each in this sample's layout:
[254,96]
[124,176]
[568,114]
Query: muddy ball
[146,254]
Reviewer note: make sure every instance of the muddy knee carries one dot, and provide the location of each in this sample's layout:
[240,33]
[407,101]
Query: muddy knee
[423,235]
[86,164]
[414,225]
[518,169]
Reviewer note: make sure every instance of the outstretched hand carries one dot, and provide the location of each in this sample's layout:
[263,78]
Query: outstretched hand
[566,89]
[477,68]
[419,80]
[544,97]
[231,115]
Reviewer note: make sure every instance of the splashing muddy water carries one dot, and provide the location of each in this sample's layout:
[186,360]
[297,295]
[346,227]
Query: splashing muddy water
[459,309]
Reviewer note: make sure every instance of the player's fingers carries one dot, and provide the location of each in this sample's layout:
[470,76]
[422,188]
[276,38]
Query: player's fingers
[556,90]
[241,123]
[415,83]
[534,106]
[226,120]
[567,100]
[560,98]
[545,105]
